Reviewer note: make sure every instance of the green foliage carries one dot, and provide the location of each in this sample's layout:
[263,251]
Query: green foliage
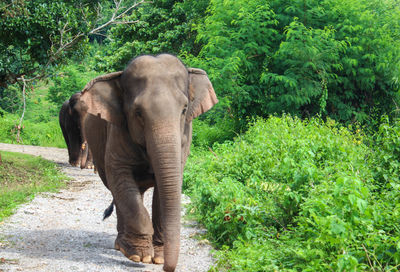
[71,79]
[368,79]
[163,26]
[205,135]
[238,37]
[32,132]
[39,108]
[31,32]
[386,144]
[292,195]
[10,98]
[23,176]
[334,58]
[338,59]
[303,65]
[213,126]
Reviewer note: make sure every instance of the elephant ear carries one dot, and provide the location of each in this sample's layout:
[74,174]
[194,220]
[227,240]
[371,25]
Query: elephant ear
[201,93]
[72,102]
[102,97]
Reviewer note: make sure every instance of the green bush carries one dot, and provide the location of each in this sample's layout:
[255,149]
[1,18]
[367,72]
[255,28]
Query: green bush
[206,134]
[10,98]
[294,195]
[386,144]
[32,133]
[70,80]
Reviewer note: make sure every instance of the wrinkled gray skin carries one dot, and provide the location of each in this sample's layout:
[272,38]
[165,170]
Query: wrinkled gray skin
[139,128]
[70,123]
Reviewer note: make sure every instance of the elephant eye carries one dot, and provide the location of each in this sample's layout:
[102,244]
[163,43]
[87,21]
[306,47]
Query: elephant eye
[138,114]
[184,110]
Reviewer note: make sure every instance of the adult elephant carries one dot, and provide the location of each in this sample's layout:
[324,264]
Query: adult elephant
[139,128]
[70,122]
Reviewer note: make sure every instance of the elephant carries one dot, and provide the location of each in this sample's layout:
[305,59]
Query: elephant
[139,128]
[70,122]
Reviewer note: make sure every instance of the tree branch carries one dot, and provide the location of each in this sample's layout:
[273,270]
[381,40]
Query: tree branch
[115,17]
[22,78]
[369,260]
[66,40]
[65,44]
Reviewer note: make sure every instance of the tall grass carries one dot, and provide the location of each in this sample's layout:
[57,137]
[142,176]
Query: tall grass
[32,133]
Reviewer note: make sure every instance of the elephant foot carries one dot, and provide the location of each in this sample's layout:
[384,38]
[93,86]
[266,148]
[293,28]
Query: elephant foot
[74,164]
[90,165]
[116,245]
[158,254]
[136,248]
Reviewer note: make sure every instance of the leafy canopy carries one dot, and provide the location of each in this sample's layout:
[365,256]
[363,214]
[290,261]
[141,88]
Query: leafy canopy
[31,32]
[335,58]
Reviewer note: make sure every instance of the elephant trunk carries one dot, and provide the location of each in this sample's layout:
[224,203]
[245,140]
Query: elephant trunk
[164,150]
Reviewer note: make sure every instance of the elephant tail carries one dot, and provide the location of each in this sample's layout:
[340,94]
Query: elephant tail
[109,210]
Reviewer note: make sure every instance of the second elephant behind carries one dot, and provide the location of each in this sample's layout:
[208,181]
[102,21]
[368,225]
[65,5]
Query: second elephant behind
[70,118]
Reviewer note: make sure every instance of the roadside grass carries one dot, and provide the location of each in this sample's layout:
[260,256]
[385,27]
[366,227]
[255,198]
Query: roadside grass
[40,126]
[32,133]
[22,176]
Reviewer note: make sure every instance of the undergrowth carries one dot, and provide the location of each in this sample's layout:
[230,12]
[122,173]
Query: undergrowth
[293,195]
[32,132]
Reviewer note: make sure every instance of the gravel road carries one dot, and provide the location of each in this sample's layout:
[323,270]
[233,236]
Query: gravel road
[64,231]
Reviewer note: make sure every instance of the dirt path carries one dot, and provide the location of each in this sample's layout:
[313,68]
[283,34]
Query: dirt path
[64,231]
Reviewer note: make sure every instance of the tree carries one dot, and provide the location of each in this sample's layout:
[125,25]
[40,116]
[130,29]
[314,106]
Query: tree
[37,36]
[363,58]
[163,26]
[305,57]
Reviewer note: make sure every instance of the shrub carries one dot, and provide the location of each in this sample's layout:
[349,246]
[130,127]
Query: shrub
[294,195]
[206,134]
[32,133]
[70,80]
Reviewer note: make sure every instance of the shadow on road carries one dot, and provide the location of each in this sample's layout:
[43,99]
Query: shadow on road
[72,245]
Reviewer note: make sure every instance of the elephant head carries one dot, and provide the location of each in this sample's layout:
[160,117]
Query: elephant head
[70,122]
[155,100]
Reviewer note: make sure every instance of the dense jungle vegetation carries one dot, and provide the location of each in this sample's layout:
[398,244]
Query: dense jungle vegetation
[297,168]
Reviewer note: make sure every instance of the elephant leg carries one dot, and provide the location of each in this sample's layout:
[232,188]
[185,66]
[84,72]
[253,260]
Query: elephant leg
[157,237]
[120,228]
[90,162]
[84,153]
[103,176]
[134,227]
[135,234]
